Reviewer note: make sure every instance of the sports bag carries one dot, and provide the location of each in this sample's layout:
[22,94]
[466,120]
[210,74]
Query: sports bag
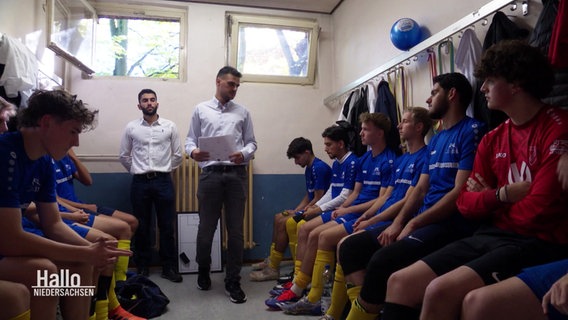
[141,297]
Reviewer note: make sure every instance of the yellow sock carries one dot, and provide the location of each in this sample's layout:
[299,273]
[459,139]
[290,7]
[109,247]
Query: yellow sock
[353,293]
[121,265]
[292,231]
[297,266]
[275,257]
[302,280]
[338,294]
[101,307]
[323,258]
[112,298]
[93,316]
[357,312]
[23,316]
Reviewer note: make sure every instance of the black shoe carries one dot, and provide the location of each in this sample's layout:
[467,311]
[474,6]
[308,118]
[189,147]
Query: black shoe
[172,275]
[286,278]
[203,280]
[144,271]
[235,293]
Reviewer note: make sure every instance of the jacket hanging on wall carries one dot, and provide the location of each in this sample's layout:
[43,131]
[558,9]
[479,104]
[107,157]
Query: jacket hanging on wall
[386,104]
[467,57]
[358,104]
[501,28]
[542,38]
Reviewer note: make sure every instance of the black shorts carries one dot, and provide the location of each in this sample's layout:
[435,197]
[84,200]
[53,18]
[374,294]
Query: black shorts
[494,254]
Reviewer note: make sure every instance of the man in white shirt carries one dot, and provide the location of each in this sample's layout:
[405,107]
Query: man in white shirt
[222,183]
[150,150]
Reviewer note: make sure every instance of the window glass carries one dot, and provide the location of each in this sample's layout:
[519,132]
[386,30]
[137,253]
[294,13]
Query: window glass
[273,49]
[140,41]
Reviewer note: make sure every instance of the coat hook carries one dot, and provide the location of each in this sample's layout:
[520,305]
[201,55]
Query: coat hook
[485,22]
[513,6]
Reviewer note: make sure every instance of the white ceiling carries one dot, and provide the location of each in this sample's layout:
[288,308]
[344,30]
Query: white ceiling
[319,6]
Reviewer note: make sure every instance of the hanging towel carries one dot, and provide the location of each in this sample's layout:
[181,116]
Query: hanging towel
[21,67]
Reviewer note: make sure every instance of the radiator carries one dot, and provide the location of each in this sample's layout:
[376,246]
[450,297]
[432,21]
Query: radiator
[186,180]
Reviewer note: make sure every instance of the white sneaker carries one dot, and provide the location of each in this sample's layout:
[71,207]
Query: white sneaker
[260,265]
[265,274]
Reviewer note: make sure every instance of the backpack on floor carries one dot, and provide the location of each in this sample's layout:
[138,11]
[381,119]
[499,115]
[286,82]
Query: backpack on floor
[141,297]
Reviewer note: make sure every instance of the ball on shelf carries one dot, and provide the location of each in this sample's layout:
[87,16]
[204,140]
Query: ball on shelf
[405,33]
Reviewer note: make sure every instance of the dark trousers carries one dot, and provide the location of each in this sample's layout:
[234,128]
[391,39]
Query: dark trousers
[154,192]
[222,188]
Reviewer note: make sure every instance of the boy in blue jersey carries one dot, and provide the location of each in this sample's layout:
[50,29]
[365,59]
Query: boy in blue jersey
[337,139]
[97,219]
[71,168]
[429,219]
[318,176]
[49,126]
[372,179]
[14,297]
[414,125]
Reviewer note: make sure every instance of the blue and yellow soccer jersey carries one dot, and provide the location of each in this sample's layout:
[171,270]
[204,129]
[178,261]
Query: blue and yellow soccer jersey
[450,150]
[344,174]
[23,180]
[64,170]
[407,173]
[318,177]
[374,173]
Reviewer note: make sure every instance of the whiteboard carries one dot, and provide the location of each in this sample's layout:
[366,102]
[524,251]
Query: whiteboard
[188,223]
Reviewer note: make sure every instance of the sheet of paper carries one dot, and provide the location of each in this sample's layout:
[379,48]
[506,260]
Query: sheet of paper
[219,147]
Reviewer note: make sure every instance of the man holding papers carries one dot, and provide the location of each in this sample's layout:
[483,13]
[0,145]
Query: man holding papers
[223,181]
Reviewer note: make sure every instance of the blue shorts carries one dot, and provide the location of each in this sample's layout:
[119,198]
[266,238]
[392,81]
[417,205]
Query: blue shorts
[540,278]
[77,227]
[107,211]
[326,217]
[349,225]
[89,222]
[31,227]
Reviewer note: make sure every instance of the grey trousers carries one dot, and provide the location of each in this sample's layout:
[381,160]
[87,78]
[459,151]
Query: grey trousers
[222,188]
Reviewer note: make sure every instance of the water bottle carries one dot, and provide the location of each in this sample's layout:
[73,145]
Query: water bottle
[327,286]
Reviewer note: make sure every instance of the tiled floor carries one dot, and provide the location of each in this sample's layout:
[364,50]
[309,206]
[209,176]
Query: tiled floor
[189,303]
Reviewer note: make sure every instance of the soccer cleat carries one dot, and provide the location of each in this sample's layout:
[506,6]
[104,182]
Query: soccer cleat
[278,289]
[265,274]
[303,306]
[287,296]
[119,313]
[286,278]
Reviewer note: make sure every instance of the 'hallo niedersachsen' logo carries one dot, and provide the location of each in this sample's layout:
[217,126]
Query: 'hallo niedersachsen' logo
[62,284]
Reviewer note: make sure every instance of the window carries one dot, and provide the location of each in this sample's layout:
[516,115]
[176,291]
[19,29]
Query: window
[273,49]
[136,41]
[70,25]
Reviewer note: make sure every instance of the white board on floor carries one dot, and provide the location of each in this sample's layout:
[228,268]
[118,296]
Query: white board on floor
[188,223]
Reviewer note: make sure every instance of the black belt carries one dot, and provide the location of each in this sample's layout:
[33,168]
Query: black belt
[222,168]
[151,175]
